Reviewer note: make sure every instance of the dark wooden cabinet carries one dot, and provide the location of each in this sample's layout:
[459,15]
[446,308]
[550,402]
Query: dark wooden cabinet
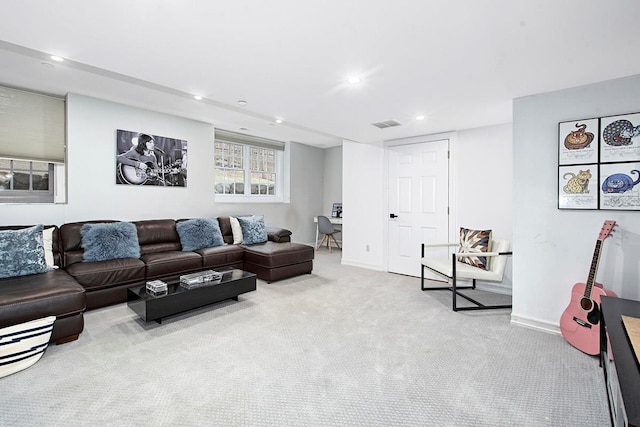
[621,370]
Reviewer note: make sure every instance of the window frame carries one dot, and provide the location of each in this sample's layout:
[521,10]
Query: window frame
[247,143]
[31,195]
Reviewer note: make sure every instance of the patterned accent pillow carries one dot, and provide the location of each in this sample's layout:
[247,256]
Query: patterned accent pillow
[22,252]
[103,241]
[475,241]
[199,233]
[253,229]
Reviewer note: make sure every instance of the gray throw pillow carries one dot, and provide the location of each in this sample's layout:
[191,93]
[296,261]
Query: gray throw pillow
[253,229]
[22,252]
[199,233]
[109,240]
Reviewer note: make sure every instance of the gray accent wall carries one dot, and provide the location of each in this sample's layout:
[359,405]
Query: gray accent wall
[553,248]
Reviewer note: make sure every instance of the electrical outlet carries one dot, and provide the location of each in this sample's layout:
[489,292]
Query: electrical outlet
[367,248]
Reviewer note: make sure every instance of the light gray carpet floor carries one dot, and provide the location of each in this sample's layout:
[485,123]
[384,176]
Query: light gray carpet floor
[343,346]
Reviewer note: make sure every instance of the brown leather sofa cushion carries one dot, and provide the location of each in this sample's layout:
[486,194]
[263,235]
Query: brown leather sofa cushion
[225,228]
[157,235]
[171,264]
[54,293]
[222,256]
[107,274]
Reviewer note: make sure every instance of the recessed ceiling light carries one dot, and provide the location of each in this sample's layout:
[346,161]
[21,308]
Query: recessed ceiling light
[278,121]
[242,103]
[198,97]
[57,58]
[420,117]
[354,80]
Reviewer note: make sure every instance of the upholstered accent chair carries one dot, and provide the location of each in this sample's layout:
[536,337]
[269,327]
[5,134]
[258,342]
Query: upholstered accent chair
[453,270]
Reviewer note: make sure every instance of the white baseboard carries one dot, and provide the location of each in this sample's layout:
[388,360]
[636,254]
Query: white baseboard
[538,325]
[362,265]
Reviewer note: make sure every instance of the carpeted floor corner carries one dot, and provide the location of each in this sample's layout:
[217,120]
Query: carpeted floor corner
[343,346]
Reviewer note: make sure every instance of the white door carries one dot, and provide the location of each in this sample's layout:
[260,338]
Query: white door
[418,202]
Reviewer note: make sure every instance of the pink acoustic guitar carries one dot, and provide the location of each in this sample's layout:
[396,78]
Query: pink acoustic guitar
[580,321]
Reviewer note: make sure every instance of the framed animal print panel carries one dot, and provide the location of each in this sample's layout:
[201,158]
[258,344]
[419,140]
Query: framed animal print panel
[620,139]
[599,163]
[578,142]
[619,186]
[578,187]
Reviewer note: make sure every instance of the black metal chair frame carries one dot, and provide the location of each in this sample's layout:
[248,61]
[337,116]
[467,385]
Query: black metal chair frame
[455,289]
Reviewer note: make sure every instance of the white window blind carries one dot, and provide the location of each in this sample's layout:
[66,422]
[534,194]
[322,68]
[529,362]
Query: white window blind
[32,126]
[256,141]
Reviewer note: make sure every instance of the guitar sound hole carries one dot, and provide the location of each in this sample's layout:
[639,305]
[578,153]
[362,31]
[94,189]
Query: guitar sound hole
[586,304]
[594,316]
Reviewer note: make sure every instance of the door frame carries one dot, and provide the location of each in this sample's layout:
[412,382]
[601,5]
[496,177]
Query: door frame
[451,136]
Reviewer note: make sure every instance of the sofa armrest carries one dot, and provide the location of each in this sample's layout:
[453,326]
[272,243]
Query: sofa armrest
[277,234]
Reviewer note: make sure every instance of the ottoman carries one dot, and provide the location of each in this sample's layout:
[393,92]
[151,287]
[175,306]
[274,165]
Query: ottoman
[272,261]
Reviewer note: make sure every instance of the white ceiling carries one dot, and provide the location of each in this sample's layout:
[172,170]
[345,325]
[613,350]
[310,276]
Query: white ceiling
[458,62]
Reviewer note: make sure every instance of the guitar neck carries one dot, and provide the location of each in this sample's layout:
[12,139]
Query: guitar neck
[593,271]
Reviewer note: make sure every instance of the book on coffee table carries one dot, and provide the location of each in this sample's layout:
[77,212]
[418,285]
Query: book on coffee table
[156,287]
[202,278]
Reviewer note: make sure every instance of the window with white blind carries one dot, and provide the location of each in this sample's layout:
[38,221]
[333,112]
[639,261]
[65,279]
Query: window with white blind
[248,168]
[32,147]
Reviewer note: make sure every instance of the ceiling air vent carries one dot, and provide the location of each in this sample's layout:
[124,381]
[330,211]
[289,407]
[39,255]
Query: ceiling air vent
[386,124]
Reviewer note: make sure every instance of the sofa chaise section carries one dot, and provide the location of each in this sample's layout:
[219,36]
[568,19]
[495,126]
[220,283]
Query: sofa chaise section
[36,296]
[54,293]
[272,261]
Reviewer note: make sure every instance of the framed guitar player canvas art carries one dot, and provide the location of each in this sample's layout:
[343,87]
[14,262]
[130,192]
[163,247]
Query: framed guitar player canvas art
[146,159]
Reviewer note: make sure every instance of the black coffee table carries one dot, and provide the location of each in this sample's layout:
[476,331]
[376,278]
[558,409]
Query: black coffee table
[179,299]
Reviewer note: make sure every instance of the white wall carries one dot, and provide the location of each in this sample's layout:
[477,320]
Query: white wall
[554,248]
[483,170]
[364,213]
[482,160]
[93,194]
[483,179]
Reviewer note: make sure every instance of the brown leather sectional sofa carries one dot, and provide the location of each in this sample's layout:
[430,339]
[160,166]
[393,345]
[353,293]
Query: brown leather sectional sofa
[77,285]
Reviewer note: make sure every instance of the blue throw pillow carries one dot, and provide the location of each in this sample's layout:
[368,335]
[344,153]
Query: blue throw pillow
[199,233]
[22,252]
[253,229]
[110,240]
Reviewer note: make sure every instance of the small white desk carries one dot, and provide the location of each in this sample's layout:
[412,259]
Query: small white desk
[335,221]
